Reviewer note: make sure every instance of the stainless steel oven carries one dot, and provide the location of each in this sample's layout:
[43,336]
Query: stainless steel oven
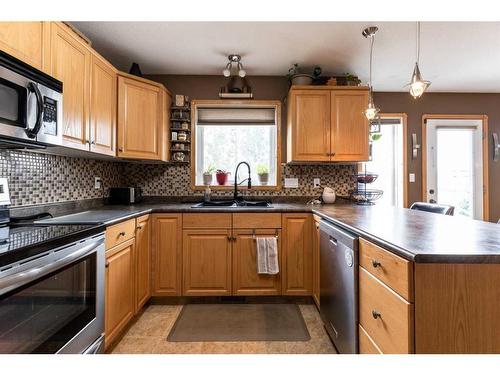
[30,105]
[54,302]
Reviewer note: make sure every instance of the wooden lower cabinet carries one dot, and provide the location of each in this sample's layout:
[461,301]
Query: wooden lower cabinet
[297,266]
[120,281]
[206,262]
[316,259]
[167,254]
[143,261]
[246,280]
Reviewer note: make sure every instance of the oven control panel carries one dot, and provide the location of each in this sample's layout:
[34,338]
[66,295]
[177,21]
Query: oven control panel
[49,116]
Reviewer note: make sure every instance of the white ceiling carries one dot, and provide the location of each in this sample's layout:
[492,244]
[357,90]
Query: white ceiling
[455,56]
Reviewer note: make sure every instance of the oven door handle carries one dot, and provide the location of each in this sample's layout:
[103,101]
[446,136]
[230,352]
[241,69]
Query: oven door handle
[32,87]
[23,277]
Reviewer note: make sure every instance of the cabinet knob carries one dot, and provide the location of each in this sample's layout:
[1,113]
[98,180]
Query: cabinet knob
[107,264]
[121,234]
[376,314]
[139,227]
[376,263]
[120,149]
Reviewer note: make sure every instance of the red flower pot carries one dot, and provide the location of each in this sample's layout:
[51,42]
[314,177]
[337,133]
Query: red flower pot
[221,178]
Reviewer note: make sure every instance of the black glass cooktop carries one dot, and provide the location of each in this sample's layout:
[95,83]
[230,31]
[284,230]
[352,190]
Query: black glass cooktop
[18,242]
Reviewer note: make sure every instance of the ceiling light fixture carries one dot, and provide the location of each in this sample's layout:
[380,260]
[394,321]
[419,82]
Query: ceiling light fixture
[417,84]
[234,59]
[371,111]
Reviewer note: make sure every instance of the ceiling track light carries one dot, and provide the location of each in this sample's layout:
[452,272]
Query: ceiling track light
[234,59]
[371,111]
[417,85]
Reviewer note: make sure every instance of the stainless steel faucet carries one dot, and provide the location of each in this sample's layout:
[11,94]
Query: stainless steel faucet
[236,183]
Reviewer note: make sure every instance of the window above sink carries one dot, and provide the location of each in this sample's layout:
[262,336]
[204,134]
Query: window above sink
[226,132]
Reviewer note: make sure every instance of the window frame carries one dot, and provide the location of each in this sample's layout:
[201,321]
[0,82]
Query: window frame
[196,104]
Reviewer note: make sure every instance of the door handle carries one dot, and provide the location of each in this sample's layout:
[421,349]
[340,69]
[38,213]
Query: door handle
[32,87]
[333,241]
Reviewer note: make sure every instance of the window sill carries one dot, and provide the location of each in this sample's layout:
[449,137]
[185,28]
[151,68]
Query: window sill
[240,187]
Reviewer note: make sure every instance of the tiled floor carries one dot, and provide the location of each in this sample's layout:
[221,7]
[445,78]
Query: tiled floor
[149,335]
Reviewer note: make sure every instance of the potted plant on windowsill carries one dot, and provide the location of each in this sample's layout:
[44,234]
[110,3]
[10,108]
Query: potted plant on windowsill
[221,176]
[263,174]
[208,175]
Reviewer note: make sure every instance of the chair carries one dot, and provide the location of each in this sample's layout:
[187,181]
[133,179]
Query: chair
[433,207]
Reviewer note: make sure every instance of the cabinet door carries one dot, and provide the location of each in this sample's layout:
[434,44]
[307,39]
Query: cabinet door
[315,259]
[206,259]
[25,41]
[167,254]
[139,119]
[349,125]
[246,280]
[297,254]
[102,107]
[70,63]
[119,289]
[309,125]
[143,261]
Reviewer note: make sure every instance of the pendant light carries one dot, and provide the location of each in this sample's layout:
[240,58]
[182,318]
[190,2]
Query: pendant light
[371,111]
[417,85]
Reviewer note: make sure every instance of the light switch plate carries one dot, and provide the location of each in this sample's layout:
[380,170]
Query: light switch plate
[97,182]
[411,177]
[317,183]
[292,183]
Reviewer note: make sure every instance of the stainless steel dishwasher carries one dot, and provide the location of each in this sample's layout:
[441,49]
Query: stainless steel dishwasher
[339,286]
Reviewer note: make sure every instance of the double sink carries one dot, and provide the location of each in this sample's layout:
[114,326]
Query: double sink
[233,204]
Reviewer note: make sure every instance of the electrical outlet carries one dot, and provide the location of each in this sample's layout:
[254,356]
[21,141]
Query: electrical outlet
[97,182]
[291,183]
[411,177]
[317,183]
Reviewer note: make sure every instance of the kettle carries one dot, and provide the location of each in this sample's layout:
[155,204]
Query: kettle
[329,195]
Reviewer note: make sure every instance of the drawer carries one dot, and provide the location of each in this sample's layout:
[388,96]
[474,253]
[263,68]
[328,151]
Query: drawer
[366,344]
[206,220]
[257,221]
[394,271]
[392,329]
[120,233]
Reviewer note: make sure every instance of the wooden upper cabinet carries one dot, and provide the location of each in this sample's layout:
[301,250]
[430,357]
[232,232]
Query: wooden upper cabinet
[26,41]
[246,280]
[70,63]
[142,119]
[102,106]
[206,259]
[143,261]
[167,254]
[327,124]
[297,244]
[349,126]
[309,125]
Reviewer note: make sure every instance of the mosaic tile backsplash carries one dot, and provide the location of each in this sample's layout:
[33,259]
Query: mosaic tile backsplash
[36,178]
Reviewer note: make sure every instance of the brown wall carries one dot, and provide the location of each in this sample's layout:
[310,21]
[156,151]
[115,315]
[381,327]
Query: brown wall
[272,87]
[446,103]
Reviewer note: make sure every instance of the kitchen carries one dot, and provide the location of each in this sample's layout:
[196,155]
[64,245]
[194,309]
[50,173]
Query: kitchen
[201,202]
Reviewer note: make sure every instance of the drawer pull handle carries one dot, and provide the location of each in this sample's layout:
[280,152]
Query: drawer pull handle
[376,263]
[376,314]
[121,234]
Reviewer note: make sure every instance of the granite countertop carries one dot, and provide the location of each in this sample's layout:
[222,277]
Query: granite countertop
[419,236]
[414,235]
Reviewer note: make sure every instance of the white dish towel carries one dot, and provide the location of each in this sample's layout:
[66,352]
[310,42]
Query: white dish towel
[267,256]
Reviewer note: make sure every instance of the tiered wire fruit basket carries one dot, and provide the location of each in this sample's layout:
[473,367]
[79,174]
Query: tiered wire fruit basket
[362,195]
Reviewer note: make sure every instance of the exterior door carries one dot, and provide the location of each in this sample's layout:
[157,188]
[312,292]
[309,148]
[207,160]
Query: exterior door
[206,261]
[350,128]
[70,63]
[454,165]
[103,107]
[246,280]
[310,125]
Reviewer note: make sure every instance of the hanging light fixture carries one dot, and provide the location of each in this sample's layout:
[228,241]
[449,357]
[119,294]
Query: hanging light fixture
[234,59]
[371,111]
[417,85]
